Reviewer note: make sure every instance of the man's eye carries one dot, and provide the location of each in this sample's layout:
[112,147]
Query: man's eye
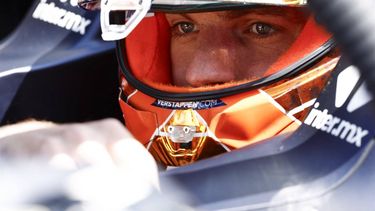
[262,29]
[186,27]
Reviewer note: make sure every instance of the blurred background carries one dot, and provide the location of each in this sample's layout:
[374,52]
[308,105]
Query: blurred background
[11,14]
[55,67]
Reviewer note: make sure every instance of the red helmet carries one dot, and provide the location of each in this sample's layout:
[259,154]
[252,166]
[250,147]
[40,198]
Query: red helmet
[200,78]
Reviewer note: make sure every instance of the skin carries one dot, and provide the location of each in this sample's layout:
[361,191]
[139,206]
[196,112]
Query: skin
[218,47]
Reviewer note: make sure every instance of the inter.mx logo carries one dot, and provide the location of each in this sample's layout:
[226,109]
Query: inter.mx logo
[343,129]
[50,13]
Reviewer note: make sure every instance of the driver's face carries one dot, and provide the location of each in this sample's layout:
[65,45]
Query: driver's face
[218,47]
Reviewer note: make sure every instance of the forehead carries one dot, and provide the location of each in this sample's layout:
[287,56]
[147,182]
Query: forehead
[278,11]
[293,13]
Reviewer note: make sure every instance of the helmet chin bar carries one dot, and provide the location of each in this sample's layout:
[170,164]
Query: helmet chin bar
[184,138]
[133,12]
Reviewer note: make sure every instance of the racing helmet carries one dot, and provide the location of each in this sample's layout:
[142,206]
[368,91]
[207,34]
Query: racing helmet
[201,78]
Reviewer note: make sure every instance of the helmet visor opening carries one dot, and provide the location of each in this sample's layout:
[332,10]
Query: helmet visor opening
[214,50]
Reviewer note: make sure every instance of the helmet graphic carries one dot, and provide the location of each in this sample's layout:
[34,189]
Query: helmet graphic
[200,78]
[184,138]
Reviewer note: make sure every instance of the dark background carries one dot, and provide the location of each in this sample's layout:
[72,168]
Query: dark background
[11,13]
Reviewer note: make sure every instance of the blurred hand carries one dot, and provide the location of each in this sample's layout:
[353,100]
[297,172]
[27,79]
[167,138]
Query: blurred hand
[108,165]
[84,143]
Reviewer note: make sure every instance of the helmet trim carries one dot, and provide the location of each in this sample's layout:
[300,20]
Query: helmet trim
[210,7]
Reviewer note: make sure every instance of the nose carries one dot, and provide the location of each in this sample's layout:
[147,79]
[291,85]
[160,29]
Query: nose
[213,61]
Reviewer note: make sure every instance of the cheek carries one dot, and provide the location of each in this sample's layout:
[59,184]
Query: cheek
[181,57]
[252,62]
[257,57]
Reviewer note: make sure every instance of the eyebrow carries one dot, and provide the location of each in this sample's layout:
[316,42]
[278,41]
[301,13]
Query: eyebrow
[233,14]
[258,11]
